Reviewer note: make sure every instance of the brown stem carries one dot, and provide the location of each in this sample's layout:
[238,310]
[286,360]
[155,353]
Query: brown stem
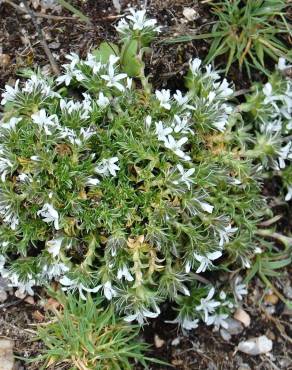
[42,39]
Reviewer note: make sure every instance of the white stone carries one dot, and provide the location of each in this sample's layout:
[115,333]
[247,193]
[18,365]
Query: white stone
[6,354]
[256,346]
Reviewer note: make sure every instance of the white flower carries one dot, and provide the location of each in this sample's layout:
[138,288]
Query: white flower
[91,181]
[69,284]
[289,194]
[108,167]
[211,73]
[74,58]
[206,261]
[10,93]
[267,89]
[129,83]
[102,100]
[218,320]
[223,89]
[70,73]
[11,124]
[225,233]
[282,64]
[124,272]
[54,270]
[148,122]
[164,97]
[141,315]
[161,131]
[207,305]
[240,289]
[93,63]
[123,26]
[189,324]
[45,121]
[175,146]
[195,65]
[139,20]
[206,206]
[180,125]
[5,166]
[49,214]
[112,79]
[23,287]
[54,246]
[185,176]
[108,291]
[181,100]
[285,153]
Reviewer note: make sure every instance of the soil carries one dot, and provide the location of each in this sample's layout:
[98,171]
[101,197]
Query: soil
[197,349]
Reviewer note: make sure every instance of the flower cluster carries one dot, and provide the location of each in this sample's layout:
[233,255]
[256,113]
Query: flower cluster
[270,107]
[124,192]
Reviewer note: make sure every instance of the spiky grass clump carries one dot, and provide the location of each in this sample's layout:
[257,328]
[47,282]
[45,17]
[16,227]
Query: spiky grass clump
[84,335]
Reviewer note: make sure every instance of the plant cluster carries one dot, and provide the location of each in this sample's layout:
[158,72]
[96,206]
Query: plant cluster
[269,111]
[110,187]
[246,32]
[103,341]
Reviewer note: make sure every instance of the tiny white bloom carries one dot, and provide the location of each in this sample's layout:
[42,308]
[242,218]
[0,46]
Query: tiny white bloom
[189,324]
[139,20]
[208,305]
[223,89]
[180,99]
[185,176]
[108,167]
[206,206]
[10,93]
[124,272]
[91,181]
[206,261]
[240,289]
[54,246]
[11,124]
[49,214]
[45,121]
[102,100]
[195,65]
[93,63]
[162,131]
[113,79]
[69,284]
[289,194]
[218,320]
[282,64]
[225,233]
[108,291]
[175,146]
[148,121]
[164,98]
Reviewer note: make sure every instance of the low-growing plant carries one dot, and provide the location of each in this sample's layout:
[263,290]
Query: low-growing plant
[246,32]
[268,109]
[110,187]
[85,335]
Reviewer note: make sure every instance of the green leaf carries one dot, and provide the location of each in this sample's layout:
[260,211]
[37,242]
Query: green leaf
[105,50]
[130,64]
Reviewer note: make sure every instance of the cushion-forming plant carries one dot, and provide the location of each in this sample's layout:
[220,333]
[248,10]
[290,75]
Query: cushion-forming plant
[109,187]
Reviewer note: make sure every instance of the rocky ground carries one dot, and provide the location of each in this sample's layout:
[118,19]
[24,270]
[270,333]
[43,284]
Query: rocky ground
[263,313]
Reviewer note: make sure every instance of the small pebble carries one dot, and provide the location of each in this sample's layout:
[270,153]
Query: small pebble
[256,346]
[3,296]
[234,326]
[158,341]
[242,316]
[190,14]
[6,354]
